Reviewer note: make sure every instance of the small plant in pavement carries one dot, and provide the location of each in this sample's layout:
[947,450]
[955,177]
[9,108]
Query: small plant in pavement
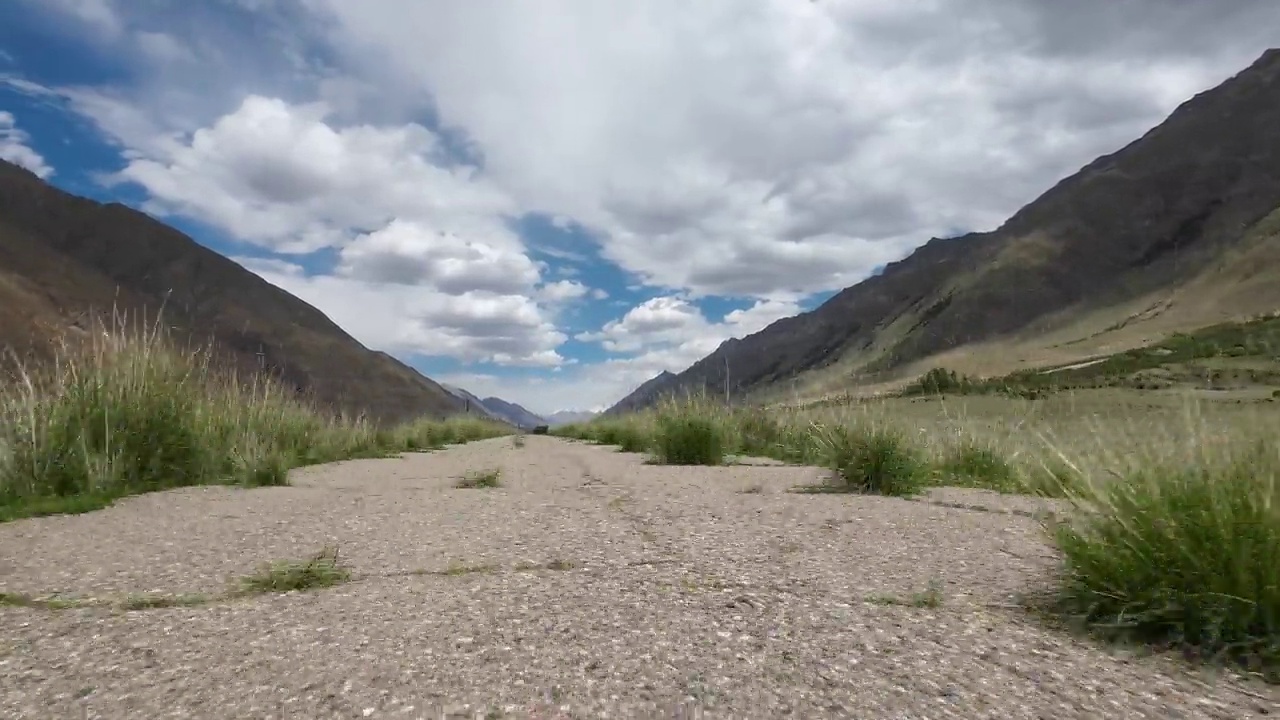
[321,570]
[480,479]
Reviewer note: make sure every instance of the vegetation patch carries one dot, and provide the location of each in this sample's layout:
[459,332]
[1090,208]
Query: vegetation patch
[152,601]
[129,413]
[458,568]
[1181,554]
[480,479]
[877,461]
[978,465]
[321,570]
[689,438]
[931,597]
[22,600]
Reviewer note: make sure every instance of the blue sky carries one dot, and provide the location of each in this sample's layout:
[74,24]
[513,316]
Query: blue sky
[555,208]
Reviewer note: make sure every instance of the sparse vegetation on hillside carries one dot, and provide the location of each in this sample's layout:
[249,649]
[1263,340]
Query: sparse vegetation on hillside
[1227,355]
[1177,520]
[131,413]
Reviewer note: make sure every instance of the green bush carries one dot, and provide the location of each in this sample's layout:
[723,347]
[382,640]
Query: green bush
[633,439]
[971,464]
[879,461]
[688,438]
[1184,553]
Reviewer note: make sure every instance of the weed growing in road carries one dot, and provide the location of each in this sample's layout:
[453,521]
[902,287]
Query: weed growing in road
[320,570]
[931,597]
[152,601]
[458,568]
[128,412]
[480,479]
[21,600]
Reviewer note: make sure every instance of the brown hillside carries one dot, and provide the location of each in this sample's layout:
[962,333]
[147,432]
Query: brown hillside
[66,262]
[1145,220]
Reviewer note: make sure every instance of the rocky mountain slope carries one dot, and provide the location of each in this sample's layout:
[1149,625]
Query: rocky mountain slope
[1152,217]
[653,390]
[516,414]
[496,409]
[66,263]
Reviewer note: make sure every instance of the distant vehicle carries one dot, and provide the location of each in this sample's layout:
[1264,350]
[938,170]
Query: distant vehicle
[541,429]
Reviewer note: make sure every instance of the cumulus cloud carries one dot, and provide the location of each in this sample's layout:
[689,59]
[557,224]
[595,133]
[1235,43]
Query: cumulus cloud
[474,326]
[670,333]
[15,149]
[278,175]
[784,146]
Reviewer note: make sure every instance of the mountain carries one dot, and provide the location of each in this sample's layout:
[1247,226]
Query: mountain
[650,392]
[67,262]
[473,404]
[1149,238]
[515,414]
[567,417]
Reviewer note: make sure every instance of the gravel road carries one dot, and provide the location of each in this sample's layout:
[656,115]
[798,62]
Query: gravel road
[588,585]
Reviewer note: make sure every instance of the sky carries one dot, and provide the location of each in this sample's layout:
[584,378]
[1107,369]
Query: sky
[552,201]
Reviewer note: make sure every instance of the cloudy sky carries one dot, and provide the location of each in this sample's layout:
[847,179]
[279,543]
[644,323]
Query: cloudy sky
[554,200]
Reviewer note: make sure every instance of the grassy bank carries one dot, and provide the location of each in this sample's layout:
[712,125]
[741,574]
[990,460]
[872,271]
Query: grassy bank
[1177,528]
[131,413]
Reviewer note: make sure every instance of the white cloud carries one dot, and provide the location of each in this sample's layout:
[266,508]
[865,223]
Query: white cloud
[473,326]
[276,174]
[562,291]
[789,146]
[15,149]
[410,253]
[670,333]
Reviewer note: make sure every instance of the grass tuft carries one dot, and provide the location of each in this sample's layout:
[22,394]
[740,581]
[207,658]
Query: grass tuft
[877,461]
[480,479]
[689,439]
[973,464]
[321,570]
[1181,554]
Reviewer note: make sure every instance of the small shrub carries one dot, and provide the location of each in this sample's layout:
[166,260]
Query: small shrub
[879,461]
[480,479]
[517,441]
[1184,554]
[321,570]
[974,465]
[687,438]
[631,438]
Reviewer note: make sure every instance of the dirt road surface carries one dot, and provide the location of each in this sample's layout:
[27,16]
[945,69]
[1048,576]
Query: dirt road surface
[588,585]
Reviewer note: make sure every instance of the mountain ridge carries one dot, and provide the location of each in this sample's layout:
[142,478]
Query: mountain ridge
[72,265]
[1141,219]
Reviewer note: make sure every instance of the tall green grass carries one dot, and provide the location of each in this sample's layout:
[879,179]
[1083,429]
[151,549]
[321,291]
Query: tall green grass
[1175,534]
[129,412]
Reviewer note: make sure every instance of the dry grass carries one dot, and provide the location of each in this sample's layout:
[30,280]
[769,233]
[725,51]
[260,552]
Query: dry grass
[131,413]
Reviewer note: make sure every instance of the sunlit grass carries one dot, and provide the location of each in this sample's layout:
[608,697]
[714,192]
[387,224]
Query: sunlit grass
[129,412]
